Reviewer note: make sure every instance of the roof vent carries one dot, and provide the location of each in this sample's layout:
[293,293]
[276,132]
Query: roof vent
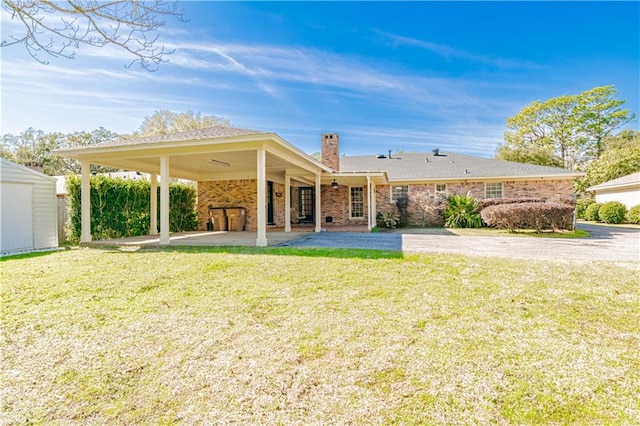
[381,156]
[466,172]
[389,153]
[426,160]
[436,152]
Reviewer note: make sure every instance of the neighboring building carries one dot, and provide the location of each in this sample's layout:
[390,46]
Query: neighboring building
[625,189]
[28,209]
[279,185]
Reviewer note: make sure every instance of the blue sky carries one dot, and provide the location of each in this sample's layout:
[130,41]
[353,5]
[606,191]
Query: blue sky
[383,75]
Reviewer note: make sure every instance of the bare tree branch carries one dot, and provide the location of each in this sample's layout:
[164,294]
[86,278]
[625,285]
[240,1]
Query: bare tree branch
[54,27]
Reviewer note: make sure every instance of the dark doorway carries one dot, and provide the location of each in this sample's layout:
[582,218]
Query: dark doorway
[306,203]
[270,220]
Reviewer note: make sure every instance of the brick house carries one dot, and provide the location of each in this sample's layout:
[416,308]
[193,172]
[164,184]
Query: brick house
[278,185]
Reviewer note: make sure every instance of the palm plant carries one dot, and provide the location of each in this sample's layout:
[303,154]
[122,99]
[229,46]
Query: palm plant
[462,212]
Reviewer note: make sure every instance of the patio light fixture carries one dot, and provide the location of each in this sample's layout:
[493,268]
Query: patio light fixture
[334,184]
[218,162]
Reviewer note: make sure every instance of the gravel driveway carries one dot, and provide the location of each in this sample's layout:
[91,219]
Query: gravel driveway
[606,243]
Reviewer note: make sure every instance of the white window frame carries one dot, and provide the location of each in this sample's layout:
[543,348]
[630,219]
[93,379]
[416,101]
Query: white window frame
[392,199]
[441,190]
[491,193]
[351,203]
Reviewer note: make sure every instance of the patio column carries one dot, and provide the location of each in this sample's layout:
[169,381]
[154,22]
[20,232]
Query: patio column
[85,202]
[164,201]
[153,212]
[287,203]
[369,203]
[318,213]
[374,210]
[261,240]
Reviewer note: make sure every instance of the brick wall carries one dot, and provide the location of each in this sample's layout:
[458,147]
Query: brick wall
[512,189]
[228,193]
[335,203]
[237,193]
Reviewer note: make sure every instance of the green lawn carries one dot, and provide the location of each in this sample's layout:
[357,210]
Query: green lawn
[299,336]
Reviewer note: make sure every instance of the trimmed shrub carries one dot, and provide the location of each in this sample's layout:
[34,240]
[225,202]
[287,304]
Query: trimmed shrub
[121,207]
[538,216]
[592,212]
[563,199]
[633,215]
[581,207]
[612,212]
[486,202]
[461,211]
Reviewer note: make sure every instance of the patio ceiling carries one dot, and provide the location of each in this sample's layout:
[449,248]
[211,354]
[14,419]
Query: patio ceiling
[208,159]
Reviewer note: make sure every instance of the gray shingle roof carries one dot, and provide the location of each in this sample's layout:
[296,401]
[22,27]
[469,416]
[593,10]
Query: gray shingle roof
[215,132]
[447,165]
[628,180]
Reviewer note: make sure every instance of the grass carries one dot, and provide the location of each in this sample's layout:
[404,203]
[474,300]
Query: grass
[298,336]
[492,232]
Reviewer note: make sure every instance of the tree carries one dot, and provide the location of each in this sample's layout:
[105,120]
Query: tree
[54,27]
[164,122]
[35,145]
[543,156]
[568,130]
[621,156]
[600,114]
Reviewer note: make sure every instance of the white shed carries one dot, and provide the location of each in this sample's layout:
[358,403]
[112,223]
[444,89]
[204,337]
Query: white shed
[27,209]
[625,189]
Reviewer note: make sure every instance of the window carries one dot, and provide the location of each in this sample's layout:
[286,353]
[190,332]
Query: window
[357,202]
[399,191]
[441,187]
[493,190]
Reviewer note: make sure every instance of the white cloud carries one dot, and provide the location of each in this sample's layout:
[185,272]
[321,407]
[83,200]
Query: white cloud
[449,52]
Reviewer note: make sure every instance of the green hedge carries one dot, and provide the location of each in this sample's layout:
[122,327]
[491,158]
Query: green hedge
[633,215]
[121,207]
[612,212]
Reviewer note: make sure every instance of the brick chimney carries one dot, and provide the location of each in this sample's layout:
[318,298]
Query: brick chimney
[331,151]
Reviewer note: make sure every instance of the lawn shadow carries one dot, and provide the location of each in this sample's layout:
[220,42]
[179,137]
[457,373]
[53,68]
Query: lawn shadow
[18,256]
[606,232]
[323,252]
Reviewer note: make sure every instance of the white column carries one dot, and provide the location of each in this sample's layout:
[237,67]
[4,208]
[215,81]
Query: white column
[369,203]
[374,209]
[287,203]
[164,201]
[318,212]
[85,202]
[153,211]
[261,241]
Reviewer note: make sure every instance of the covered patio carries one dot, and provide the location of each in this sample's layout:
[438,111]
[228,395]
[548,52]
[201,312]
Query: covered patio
[218,154]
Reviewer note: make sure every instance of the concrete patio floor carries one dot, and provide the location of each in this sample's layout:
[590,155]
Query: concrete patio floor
[275,236]
[203,238]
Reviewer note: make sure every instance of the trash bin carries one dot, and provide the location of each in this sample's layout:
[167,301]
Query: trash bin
[218,219]
[236,216]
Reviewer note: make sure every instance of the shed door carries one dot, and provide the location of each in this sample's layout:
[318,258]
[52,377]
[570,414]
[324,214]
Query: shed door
[16,232]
